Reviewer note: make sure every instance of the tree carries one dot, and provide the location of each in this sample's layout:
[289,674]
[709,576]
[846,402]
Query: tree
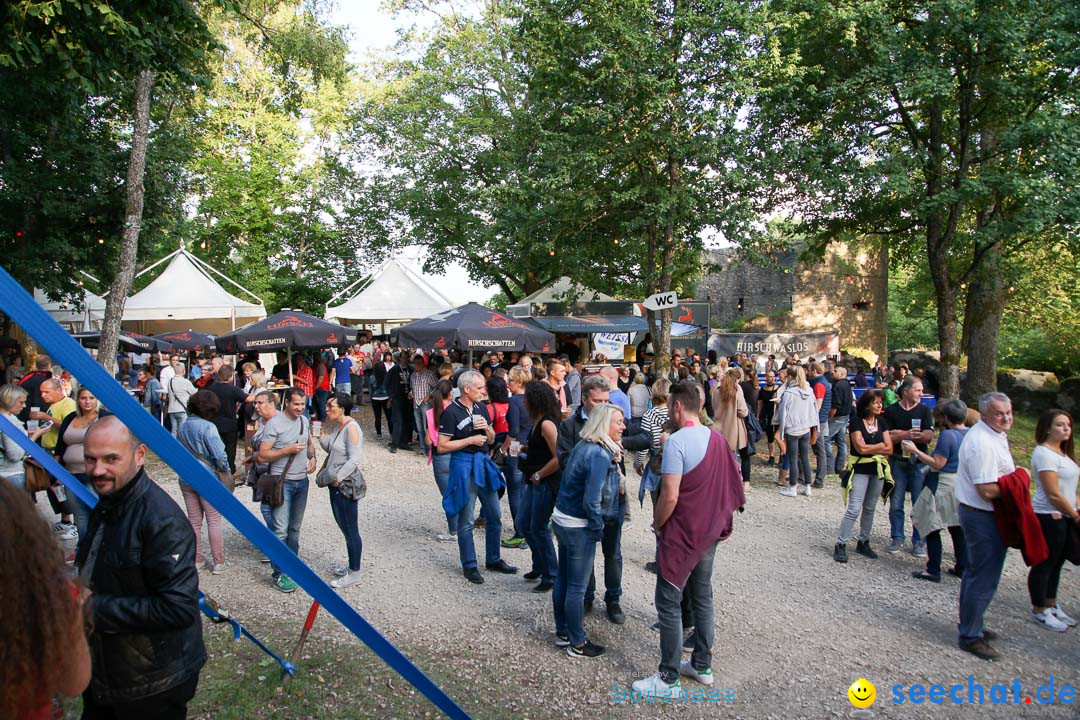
[946,128]
[636,108]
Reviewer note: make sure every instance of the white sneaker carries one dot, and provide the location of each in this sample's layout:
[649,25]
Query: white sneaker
[339,570]
[1061,616]
[217,569]
[446,537]
[789,491]
[70,532]
[804,490]
[349,578]
[655,687]
[705,677]
[1049,621]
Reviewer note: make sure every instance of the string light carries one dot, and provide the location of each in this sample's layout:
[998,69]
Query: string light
[101,241]
[551,252]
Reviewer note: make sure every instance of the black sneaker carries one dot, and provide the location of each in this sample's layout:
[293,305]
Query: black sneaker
[839,553]
[562,640]
[818,484]
[615,613]
[473,575]
[588,650]
[543,587]
[980,649]
[501,567]
[924,575]
[532,575]
[863,548]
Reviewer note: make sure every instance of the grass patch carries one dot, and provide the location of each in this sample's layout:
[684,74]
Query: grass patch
[1022,438]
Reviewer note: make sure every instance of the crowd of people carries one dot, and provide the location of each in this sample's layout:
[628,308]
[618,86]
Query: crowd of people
[558,441]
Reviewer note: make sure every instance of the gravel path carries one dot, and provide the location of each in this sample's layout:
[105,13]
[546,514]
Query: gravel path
[793,628]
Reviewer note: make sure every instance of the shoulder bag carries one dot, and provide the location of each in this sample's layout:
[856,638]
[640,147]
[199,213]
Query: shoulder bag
[271,488]
[224,476]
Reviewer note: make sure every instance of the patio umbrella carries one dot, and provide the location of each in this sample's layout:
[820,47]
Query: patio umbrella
[286,330]
[187,340]
[475,327]
[128,341]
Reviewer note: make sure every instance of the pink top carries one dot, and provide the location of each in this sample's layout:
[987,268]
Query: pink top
[432,432]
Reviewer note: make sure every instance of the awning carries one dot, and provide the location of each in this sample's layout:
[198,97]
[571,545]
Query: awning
[592,323]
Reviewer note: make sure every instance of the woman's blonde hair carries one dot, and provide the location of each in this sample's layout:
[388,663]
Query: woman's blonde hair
[598,426]
[257,379]
[736,372]
[660,390]
[9,395]
[795,372]
[522,376]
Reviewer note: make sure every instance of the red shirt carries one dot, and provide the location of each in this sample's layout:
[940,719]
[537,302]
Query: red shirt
[304,378]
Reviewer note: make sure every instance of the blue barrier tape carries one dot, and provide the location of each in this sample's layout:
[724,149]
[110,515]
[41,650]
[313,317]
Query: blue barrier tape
[47,461]
[21,308]
[239,629]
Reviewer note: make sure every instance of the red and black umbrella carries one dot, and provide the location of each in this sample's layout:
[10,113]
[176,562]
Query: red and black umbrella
[285,330]
[188,340]
[128,341]
[475,327]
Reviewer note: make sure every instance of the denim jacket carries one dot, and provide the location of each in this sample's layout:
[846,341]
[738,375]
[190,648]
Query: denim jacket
[590,485]
[201,439]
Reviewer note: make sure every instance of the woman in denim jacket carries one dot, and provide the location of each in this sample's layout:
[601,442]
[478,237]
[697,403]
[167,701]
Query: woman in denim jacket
[201,438]
[587,496]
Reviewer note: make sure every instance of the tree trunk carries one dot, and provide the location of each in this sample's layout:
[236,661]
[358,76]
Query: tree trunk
[129,245]
[986,295]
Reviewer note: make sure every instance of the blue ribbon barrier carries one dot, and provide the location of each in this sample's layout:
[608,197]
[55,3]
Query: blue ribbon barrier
[22,309]
[47,461]
[212,611]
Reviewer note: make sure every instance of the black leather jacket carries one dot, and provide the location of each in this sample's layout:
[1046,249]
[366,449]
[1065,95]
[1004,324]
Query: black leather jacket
[147,634]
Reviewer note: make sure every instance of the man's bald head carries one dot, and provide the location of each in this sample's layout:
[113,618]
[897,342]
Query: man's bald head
[114,428]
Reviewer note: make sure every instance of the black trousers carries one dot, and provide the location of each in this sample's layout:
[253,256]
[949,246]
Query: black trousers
[169,705]
[380,409]
[401,423]
[230,439]
[1043,578]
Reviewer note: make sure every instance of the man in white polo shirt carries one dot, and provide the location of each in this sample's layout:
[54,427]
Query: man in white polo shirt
[984,457]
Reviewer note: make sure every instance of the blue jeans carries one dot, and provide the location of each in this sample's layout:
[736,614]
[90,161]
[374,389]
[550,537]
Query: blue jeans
[907,477]
[345,514]
[319,404]
[80,509]
[489,506]
[440,466]
[821,451]
[838,435]
[343,389]
[611,545]
[286,519]
[176,419]
[535,512]
[985,559]
[515,494]
[420,421]
[577,549]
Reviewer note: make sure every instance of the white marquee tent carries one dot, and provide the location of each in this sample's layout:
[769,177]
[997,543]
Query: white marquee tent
[70,316]
[186,296]
[392,296]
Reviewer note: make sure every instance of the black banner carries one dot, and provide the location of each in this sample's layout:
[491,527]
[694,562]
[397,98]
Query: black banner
[779,344]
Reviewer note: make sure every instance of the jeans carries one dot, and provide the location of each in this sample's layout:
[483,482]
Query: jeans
[489,506]
[986,558]
[611,545]
[440,466]
[577,549]
[287,518]
[933,550]
[537,503]
[319,406]
[177,419]
[669,611]
[515,492]
[798,455]
[168,705]
[907,477]
[863,495]
[80,509]
[420,422]
[343,389]
[345,514]
[820,451]
[1043,578]
[838,435]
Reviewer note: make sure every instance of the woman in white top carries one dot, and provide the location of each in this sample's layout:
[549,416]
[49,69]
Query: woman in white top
[1055,504]
[12,402]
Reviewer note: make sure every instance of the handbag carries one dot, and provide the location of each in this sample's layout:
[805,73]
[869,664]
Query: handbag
[37,477]
[224,476]
[271,488]
[353,487]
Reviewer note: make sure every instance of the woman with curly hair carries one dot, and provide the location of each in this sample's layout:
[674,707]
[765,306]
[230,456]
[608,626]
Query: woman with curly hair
[43,647]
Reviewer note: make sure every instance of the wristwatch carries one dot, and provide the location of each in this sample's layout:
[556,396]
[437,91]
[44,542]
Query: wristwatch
[536,477]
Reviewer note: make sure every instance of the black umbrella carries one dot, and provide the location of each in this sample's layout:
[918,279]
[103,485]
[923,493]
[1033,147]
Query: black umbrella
[475,327]
[128,341]
[6,342]
[187,340]
[285,330]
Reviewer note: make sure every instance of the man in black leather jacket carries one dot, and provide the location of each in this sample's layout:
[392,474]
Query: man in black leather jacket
[139,561]
[594,390]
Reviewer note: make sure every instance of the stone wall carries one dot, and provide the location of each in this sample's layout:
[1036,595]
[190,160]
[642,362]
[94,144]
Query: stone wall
[846,291]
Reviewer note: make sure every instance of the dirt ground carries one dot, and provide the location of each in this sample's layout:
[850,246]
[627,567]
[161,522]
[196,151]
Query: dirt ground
[793,628]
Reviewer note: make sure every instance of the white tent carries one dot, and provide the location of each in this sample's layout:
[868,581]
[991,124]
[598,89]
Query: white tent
[186,296]
[558,289]
[68,315]
[392,296]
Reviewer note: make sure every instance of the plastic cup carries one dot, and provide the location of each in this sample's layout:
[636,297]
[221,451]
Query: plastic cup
[515,448]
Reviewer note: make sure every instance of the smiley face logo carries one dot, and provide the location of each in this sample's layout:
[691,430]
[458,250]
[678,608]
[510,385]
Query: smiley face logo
[862,693]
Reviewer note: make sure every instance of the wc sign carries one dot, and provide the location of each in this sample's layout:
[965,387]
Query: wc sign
[661,301]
